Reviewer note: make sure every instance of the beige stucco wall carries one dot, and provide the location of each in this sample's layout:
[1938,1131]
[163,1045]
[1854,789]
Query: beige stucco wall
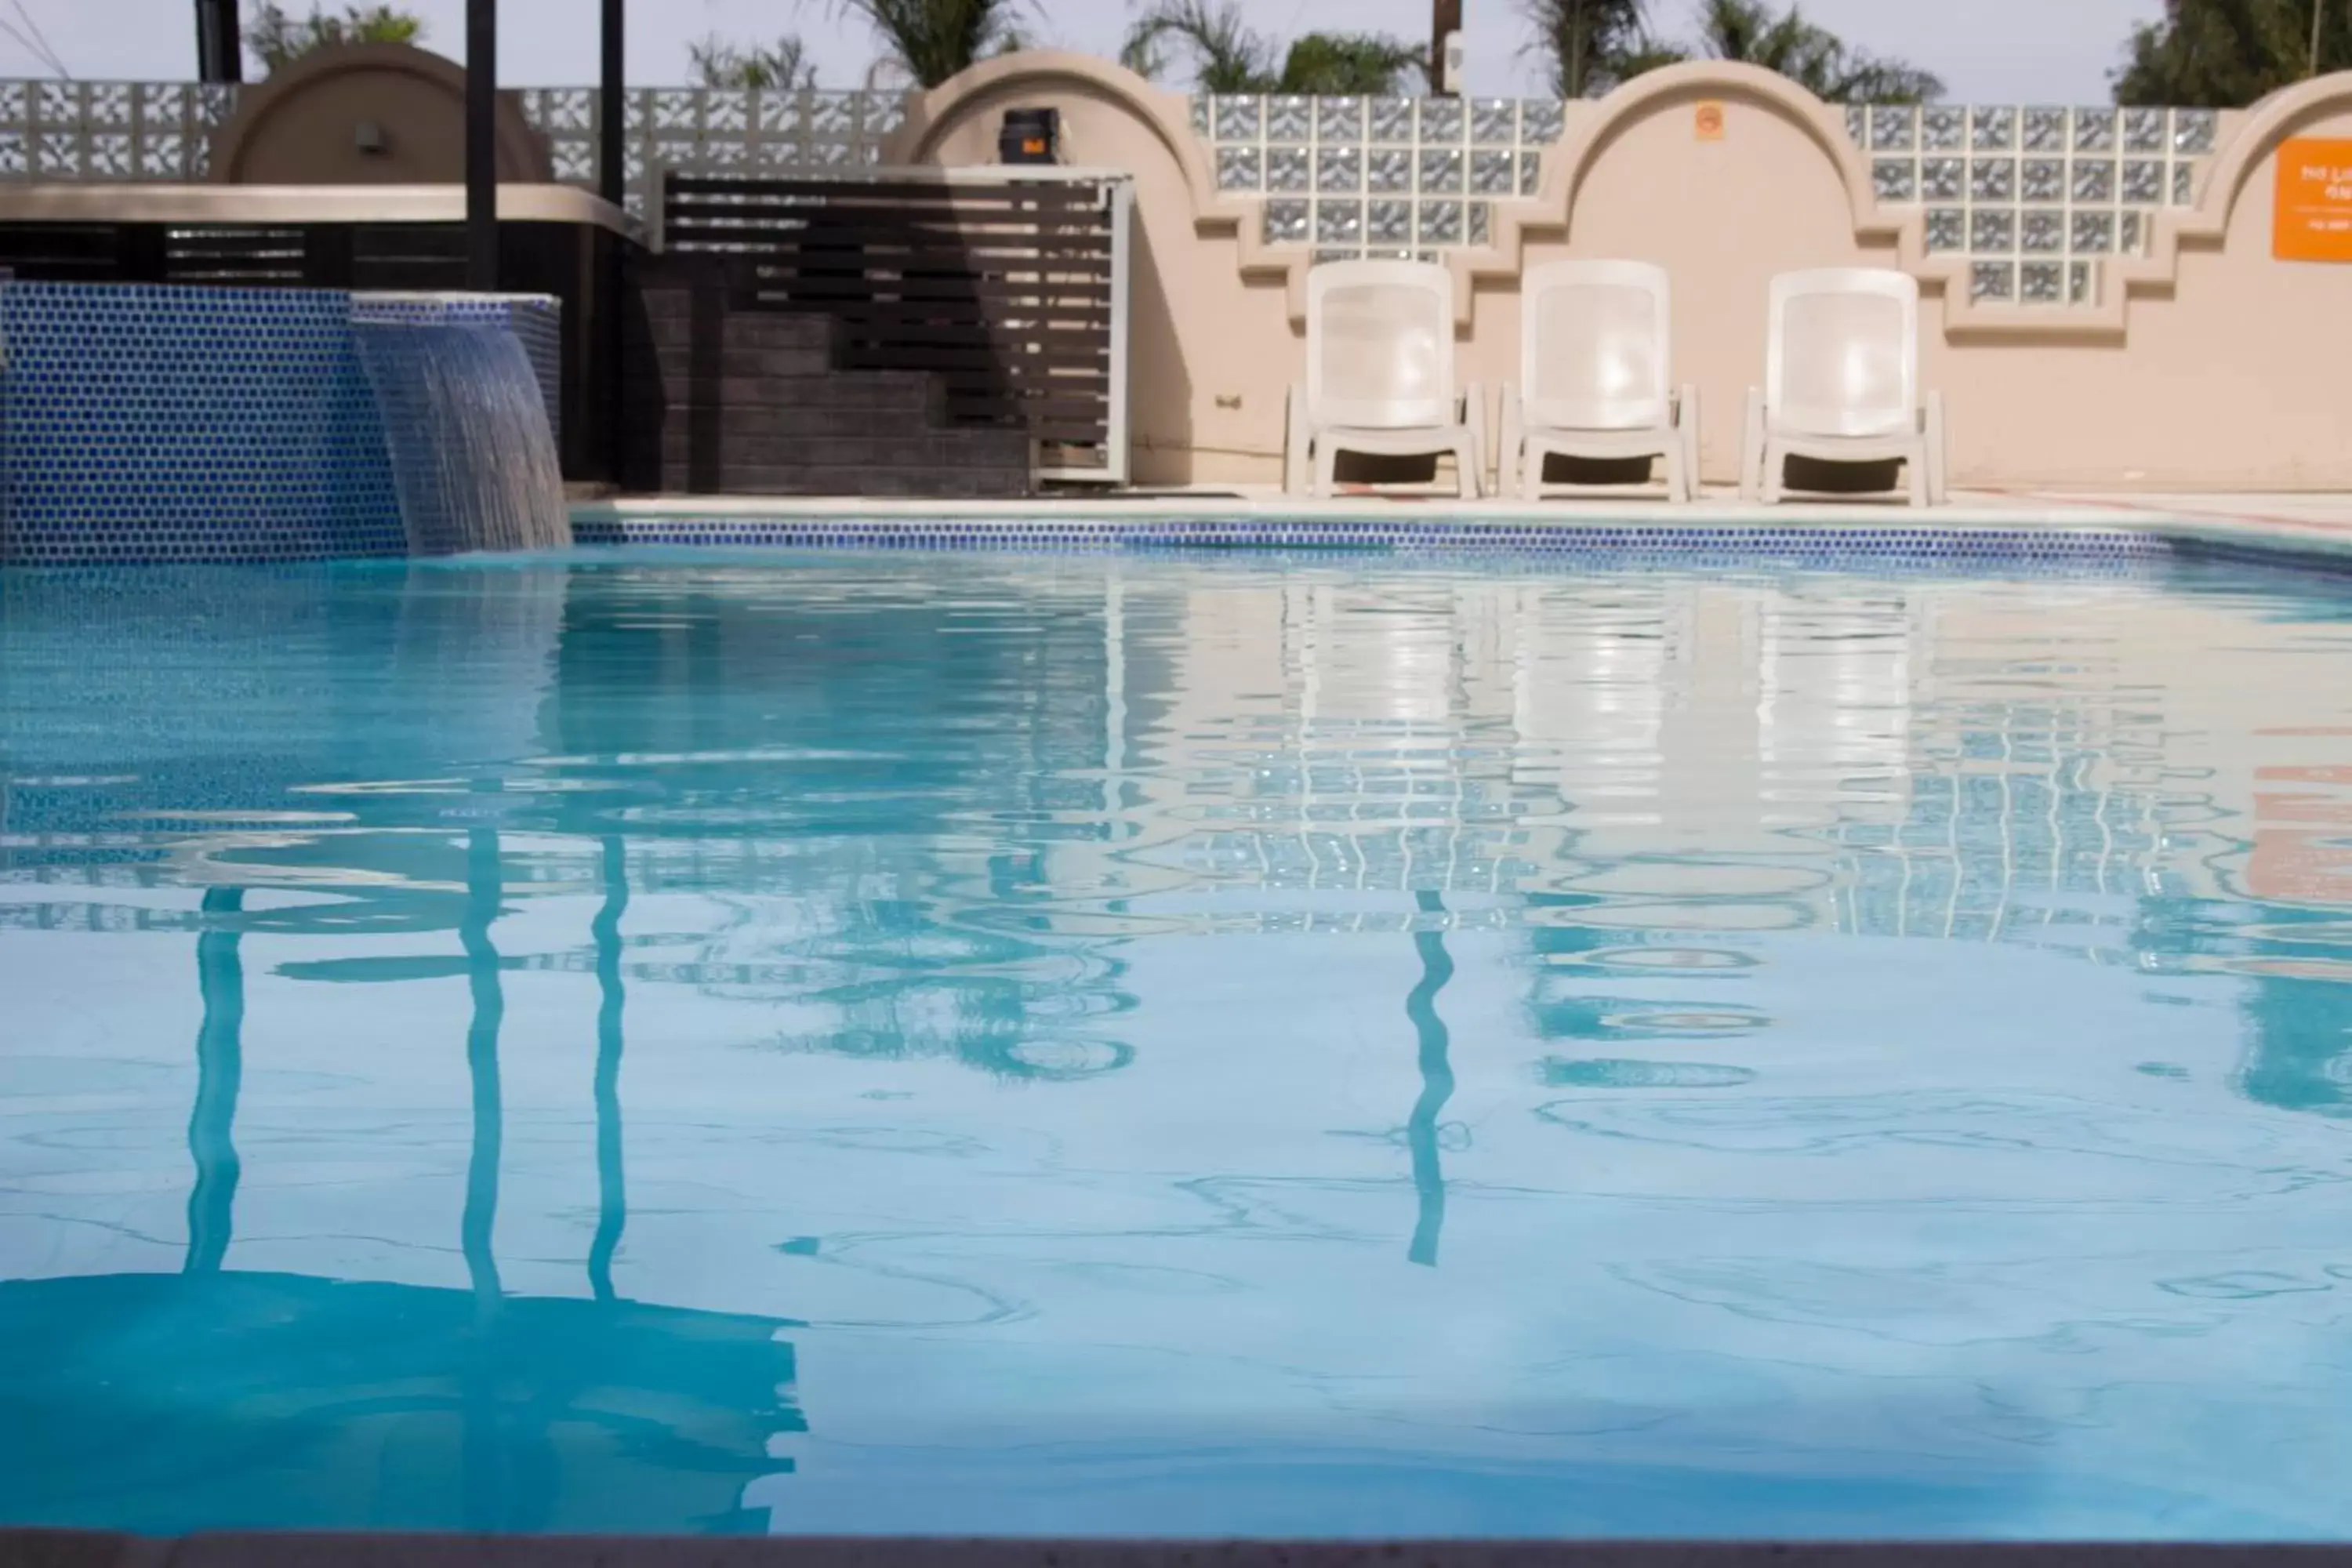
[302,126]
[2205,363]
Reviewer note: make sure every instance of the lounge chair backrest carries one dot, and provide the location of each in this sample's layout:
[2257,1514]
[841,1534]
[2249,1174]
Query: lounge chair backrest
[1843,356]
[1379,344]
[1595,346]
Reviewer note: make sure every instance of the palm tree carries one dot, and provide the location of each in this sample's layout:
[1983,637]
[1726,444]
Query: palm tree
[1814,58]
[1592,45]
[276,37]
[1229,57]
[935,40]
[784,65]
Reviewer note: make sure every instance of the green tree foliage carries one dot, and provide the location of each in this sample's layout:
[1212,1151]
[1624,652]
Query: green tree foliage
[1227,57]
[275,37]
[2225,54]
[936,39]
[1817,60]
[1590,45]
[783,65]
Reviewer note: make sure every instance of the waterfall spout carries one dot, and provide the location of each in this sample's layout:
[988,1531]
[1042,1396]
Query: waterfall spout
[466,424]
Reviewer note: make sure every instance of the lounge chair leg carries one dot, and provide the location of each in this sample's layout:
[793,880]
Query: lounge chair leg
[1677,480]
[1915,470]
[1751,449]
[1939,490]
[1327,469]
[1296,443]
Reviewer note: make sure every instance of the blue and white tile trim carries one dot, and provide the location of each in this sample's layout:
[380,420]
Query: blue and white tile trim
[152,423]
[2026,548]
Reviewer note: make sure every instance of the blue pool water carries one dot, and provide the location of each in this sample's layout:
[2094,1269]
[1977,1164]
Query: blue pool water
[700,1043]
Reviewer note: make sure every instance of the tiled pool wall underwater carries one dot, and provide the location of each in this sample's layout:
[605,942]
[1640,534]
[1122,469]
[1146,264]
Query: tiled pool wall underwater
[145,423]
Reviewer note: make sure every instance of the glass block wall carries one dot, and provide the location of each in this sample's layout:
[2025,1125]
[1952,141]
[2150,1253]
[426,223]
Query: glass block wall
[1380,176]
[2034,197]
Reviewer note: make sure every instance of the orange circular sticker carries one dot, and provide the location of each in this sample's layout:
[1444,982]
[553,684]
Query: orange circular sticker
[1709,123]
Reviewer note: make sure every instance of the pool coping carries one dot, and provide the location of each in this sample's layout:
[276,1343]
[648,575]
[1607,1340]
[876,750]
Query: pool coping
[71,1549]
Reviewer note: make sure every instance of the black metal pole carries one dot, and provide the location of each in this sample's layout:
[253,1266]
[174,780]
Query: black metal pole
[613,115]
[481,144]
[220,54]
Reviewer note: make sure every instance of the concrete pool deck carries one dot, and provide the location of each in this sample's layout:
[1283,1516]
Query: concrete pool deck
[2307,524]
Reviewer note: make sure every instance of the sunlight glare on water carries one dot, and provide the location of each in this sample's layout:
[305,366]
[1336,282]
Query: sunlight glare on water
[1124,1047]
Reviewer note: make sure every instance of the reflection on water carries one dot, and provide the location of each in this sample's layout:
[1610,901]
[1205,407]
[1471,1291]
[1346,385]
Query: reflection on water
[1873,1053]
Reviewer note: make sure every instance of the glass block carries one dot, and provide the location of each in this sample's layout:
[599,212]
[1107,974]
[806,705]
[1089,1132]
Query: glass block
[58,102]
[1992,128]
[108,103]
[11,101]
[1240,168]
[726,111]
[1286,221]
[1441,221]
[1338,168]
[2041,179]
[1947,228]
[2078,283]
[1992,280]
[1389,168]
[2093,181]
[1239,118]
[2184,185]
[1894,179]
[1482,222]
[831,114]
[1893,127]
[1943,128]
[2142,181]
[1942,179]
[213,103]
[2041,283]
[12,152]
[163,157]
[885,112]
[2144,129]
[57,155]
[675,107]
[2129,232]
[2095,129]
[1201,118]
[2094,233]
[1531,172]
[1857,124]
[1992,179]
[1389,223]
[2044,131]
[1339,118]
[1390,118]
[1441,120]
[1442,169]
[785,112]
[1339,222]
[109,156]
[1493,121]
[1325,257]
[2043,230]
[2193,131]
[165,103]
[1287,169]
[1541,121]
[1491,174]
[1289,118]
[1993,231]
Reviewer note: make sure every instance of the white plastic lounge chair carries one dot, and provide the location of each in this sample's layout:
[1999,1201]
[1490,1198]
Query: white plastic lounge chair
[1380,374]
[1841,382]
[1595,353]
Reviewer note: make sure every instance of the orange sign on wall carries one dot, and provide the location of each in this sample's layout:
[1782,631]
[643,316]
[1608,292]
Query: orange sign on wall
[2313,215]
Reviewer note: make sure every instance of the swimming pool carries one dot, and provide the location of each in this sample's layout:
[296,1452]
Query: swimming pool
[702,1042]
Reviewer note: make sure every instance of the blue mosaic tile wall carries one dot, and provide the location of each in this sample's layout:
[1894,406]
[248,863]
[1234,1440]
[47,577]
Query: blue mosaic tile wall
[147,423]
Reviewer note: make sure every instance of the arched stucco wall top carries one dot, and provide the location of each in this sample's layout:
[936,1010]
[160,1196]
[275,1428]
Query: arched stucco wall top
[1547,213]
[280,123]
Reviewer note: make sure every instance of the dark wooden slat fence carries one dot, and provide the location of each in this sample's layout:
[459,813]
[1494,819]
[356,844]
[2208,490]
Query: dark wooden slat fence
[1007,288]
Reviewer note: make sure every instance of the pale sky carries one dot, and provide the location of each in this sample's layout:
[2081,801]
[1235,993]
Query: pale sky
[2056,51]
